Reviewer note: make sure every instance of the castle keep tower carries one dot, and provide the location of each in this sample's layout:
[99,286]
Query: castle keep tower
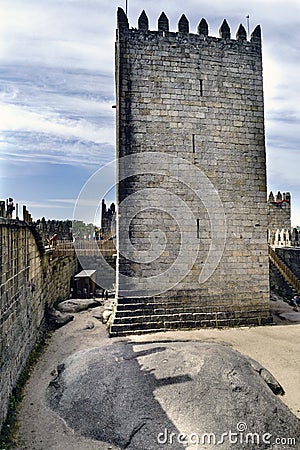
[191,197]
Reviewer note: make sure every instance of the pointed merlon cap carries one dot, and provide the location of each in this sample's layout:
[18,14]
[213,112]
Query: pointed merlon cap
[163,22]
[203,27]
[278,197]
[143,22]
[225,30]
[271,197]
[122,20]
[241,34]
[256,35]
[183,25]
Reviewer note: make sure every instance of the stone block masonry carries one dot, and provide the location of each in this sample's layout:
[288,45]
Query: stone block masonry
[30,278]
[278,283]
[192,177]
[279,211]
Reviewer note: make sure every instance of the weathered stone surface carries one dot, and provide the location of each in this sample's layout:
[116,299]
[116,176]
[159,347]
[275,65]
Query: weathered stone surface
[77,305]
[97,312]
[56,319]
[183,24]
[279,212]
[89,326]
[163,22]
[256,35]
[136,395]
[203,27]
[267,377]
[241,33]
[143,21]
[30,278]
[106,315]
[291,257]
[225,30]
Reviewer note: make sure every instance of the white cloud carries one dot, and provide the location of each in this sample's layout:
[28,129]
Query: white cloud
[42,205]
[71,201]
[15,118]
[67,34]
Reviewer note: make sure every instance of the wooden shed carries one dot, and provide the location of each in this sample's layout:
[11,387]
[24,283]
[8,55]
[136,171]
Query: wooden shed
[85,284]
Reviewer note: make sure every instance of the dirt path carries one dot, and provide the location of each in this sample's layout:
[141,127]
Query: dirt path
[276,347]
[39,427]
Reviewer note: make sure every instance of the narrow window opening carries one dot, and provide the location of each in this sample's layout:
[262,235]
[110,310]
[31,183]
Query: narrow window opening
[130,233]
[201,88]
[193,142]
[198,228]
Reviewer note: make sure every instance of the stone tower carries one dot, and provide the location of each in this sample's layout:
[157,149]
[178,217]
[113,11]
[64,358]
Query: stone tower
[279,209]
[191,196]
[107,218]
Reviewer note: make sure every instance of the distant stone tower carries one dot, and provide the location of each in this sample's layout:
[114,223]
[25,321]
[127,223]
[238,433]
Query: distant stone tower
[191,197]
[280,233]
[279,211]
[107,218]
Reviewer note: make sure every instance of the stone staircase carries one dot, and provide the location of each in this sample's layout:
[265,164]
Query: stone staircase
[279,284]
[142,315]
[285,271]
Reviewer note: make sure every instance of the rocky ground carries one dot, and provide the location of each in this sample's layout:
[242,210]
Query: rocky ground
[120,393]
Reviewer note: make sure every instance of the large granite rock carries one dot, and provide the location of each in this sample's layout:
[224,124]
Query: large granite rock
[77,305]
[167,394]
[55,319]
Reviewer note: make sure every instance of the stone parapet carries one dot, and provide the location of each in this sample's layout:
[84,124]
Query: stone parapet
[30,277]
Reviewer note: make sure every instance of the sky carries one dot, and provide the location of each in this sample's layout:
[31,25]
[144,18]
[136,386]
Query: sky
[57,89]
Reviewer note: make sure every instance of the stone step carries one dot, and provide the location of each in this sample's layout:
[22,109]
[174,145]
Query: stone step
[154,327]
[189,299]
[126,333]
[139,317]
[282,286]
[157,313]
[184,313]
[160,307]
[160,318]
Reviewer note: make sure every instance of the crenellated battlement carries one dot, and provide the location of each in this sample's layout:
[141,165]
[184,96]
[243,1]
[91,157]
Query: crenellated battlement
[280,198]
[183,28]
[284,237]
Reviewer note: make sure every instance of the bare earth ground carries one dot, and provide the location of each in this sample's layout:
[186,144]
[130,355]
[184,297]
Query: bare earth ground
[275,347]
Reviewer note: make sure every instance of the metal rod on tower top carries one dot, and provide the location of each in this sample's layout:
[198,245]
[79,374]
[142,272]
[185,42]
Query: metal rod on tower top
[248,24]
[126,7]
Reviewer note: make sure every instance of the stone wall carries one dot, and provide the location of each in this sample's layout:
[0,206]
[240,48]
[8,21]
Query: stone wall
[284,237]
[196,103]
[278,283]
[29,277]
[291,257]
[279,211]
